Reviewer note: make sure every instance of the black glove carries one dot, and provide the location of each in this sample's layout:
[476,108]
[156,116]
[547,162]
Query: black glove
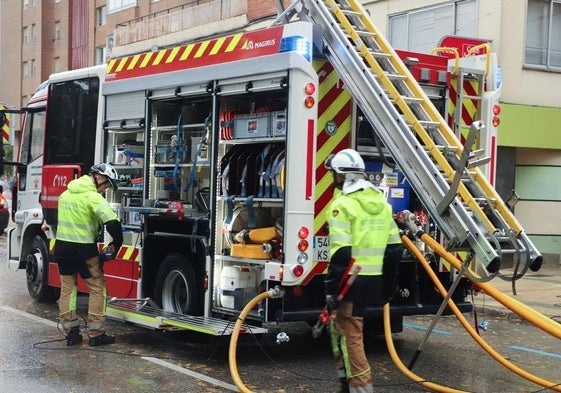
[107,253]
[332,302]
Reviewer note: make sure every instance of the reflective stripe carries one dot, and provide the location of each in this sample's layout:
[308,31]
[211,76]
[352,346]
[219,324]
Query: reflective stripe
[77,225]
[371,270]
[71,324]
[361,389]
[341,238]
[82,212]
[340,225]
[368,252]
[95,326]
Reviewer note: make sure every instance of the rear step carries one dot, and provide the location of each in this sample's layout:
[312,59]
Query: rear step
[146,313]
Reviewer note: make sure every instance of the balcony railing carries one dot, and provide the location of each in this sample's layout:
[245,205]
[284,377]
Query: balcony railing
[177,19]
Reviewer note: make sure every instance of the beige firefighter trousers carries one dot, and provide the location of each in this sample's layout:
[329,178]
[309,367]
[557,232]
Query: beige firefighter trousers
[96,306]
[348,348]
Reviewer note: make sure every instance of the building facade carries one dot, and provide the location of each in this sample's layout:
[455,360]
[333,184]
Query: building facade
[42,37]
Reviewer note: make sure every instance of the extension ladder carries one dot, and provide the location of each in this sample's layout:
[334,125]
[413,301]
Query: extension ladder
[457,195]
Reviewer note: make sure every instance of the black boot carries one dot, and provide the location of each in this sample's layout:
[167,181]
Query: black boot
[73,337]
[344,386]
[101,340]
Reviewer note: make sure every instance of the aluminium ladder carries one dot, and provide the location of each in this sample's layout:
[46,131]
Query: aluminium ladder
[457,195]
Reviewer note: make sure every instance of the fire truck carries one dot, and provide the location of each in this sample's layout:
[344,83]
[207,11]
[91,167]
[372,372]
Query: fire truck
[220,146]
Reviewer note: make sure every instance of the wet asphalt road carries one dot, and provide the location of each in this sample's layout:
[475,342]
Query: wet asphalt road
[35,359]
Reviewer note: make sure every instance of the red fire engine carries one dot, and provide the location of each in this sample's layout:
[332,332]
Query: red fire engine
[223,193]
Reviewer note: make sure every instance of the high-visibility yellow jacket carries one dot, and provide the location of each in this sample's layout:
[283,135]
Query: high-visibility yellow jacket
[363,220]
[82,211]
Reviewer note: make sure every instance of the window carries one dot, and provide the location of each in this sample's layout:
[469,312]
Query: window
[25,4]
[25,35]
[109,44]
[422,29]
[25,69]
[33,32]
[118,5]
[543,29]
[72,122]
[100,55]
[32,70]
[57,64]
[33,135]
[57,30]
[102,16]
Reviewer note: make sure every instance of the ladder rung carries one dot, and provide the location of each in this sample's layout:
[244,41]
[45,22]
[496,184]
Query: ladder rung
[445,149]
[478,162]
[378,54]
[395,76]
[427,123]
[412,99]
[365,33]
[350,12]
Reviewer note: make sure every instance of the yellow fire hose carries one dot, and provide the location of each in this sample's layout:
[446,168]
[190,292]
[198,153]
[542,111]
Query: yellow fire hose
[524,311]
[401,366]
[472,332]
[235,334]
[274,292]
[537,319]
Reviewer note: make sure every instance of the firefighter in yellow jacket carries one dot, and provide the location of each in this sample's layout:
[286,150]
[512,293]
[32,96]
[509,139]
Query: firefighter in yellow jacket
[82,213]
[361,226]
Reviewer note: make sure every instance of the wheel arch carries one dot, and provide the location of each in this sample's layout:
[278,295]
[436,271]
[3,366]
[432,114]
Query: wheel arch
[158,248]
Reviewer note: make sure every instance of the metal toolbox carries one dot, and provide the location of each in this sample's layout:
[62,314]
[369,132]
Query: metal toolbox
[256,125]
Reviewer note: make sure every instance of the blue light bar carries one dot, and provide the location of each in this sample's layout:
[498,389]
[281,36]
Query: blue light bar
[297,44]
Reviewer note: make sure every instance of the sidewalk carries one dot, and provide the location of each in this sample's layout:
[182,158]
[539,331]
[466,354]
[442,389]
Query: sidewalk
[539,290]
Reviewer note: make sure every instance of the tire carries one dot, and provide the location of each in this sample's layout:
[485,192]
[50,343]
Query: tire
[37,273]
[176,288]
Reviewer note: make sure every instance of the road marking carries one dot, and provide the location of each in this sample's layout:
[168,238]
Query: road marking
[550,354]
[423,328]
[30,316]
[191,373]
[162,363]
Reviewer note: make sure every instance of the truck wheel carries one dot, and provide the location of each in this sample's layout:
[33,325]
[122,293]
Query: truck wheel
[176,287]
[37,272]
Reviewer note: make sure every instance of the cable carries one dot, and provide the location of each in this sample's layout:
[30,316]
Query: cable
[467,326]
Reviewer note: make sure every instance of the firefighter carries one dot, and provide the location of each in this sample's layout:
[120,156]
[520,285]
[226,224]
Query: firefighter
[82,212]
[361,226]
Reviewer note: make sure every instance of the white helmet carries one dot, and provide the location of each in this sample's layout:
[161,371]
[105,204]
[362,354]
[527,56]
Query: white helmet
[346,161]
[109,172]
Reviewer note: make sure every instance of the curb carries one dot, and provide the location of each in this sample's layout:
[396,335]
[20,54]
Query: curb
[497,312]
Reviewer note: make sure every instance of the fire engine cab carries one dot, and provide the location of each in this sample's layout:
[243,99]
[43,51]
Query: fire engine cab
[223,193]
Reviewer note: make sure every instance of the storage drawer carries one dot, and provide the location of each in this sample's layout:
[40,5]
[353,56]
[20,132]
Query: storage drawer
[252,126]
